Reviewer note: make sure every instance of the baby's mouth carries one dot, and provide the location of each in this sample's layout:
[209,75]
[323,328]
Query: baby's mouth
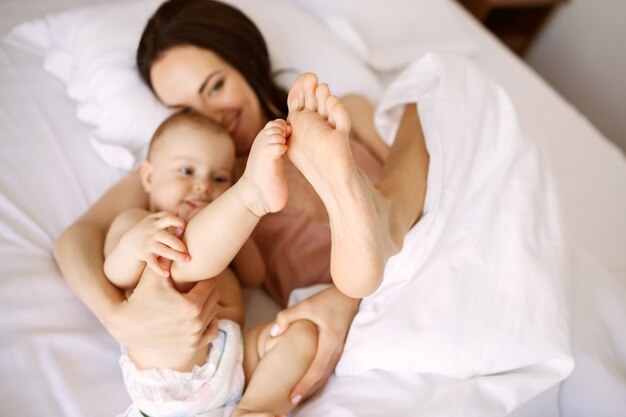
[196,203]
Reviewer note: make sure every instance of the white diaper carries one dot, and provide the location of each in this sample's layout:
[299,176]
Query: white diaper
[210,390]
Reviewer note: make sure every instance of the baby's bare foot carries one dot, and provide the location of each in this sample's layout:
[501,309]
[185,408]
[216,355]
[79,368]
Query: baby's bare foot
[319,147]
[266,186]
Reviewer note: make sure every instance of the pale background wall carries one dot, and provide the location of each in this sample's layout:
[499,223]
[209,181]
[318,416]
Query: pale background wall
[582,53]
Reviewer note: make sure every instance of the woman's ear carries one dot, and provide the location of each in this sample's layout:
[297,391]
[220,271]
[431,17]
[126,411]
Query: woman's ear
[145,172]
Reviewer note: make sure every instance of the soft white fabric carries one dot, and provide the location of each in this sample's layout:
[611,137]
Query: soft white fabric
[92,50]
[210,390]
[300,294]
[390,34]
[479,286]
[57,360]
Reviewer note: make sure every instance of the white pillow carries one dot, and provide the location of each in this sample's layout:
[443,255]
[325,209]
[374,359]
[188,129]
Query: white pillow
[390,34]
[92,50]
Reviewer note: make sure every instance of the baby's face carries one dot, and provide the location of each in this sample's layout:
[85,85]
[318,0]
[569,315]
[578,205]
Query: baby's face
[191,167]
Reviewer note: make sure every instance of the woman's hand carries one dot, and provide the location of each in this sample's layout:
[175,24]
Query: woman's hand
[332,312]
[157,316]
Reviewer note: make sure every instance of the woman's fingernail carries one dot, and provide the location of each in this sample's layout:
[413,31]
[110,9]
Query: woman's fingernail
[295,400]
[274,331]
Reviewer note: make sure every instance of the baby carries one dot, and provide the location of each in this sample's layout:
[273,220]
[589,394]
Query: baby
[198,222]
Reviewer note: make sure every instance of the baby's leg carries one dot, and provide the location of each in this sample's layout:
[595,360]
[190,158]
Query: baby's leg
[273,366]
[367,223]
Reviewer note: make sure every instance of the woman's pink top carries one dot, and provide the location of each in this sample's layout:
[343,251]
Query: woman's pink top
[295,242]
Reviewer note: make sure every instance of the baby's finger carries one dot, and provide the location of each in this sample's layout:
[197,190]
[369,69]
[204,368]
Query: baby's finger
[170,221]
[170,240]
[166,252]
[153,264]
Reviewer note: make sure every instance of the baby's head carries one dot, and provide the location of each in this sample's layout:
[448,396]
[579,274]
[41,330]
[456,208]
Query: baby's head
[190,163]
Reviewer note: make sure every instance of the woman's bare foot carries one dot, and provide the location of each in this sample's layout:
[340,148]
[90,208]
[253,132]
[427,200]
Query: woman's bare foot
[359,215]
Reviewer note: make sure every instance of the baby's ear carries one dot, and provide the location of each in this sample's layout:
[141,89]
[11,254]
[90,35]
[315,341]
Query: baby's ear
[145,172]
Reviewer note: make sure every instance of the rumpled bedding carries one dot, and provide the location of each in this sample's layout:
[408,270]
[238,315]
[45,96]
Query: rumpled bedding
[478,292]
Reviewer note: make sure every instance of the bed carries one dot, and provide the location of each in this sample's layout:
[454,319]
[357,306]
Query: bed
[57,360]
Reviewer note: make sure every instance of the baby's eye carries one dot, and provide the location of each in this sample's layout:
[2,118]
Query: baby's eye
[185,171]
[221,179]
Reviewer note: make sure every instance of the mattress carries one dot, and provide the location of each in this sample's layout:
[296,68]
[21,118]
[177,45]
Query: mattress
[57,360]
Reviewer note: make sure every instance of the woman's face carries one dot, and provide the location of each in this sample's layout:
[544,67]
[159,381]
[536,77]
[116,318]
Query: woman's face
[191,78]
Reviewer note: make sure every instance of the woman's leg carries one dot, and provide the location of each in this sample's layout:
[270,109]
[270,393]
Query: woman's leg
[368,223]
[404,176]
[273,366]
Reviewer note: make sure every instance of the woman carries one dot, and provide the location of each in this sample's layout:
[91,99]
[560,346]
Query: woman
[207,57]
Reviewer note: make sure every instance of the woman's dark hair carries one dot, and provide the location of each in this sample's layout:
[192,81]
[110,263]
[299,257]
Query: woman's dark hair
[220,28]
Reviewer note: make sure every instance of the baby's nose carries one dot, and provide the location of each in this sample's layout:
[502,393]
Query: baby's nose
[203,185]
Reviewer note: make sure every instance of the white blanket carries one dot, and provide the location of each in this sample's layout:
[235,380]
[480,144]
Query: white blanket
[478,290]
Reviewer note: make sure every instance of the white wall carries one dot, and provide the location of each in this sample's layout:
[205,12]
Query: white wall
[582,53]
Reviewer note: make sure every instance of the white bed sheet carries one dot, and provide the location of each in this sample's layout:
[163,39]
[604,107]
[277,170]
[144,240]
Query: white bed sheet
[57,360]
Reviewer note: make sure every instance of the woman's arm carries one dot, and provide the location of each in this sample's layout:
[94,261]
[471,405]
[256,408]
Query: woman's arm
[147,317]
[332,312]
[79,251]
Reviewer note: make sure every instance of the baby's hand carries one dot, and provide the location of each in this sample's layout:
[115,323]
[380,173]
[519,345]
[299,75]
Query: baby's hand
[264,170]
[150,239]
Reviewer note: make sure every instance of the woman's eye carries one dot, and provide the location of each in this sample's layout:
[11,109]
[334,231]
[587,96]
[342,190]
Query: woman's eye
[185,171]
[217,87]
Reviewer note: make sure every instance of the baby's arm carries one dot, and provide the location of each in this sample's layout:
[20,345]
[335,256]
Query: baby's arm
[249,265]
[215,235]
[137,238]
[120,268]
